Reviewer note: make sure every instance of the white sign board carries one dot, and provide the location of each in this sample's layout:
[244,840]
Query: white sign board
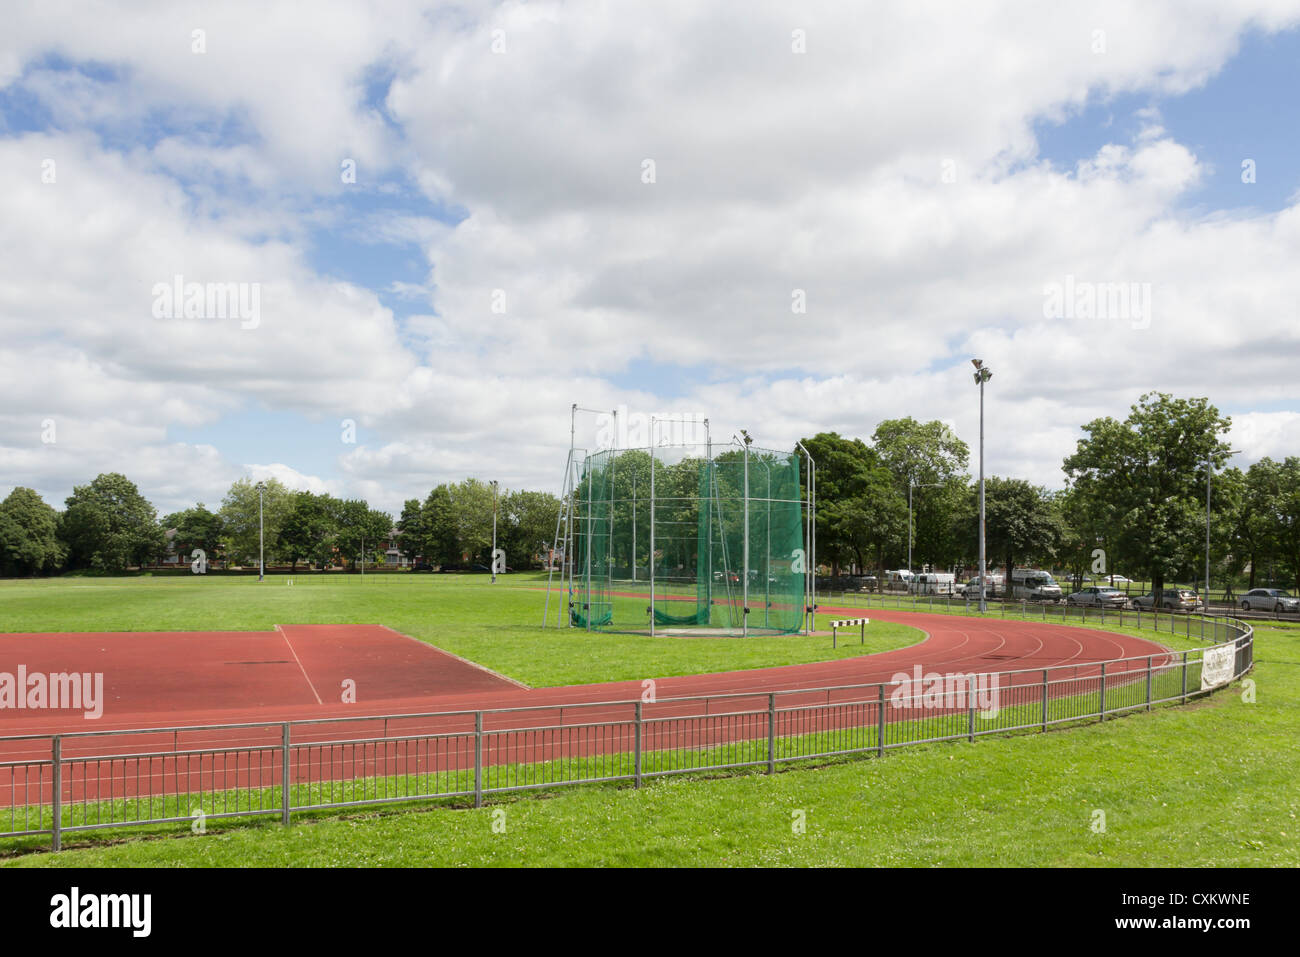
[1217,664]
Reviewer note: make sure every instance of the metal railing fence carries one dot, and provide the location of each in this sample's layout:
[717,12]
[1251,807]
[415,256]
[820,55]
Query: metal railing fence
[69,783]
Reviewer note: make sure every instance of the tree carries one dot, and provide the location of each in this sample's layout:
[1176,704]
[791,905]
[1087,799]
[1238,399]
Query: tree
[443,542]
[472,512]
[859,511]
[529,519]
[412,530]
[1020,522]
[29,542]
[930,454]
[1150,471]
[108,525]
[239,518]
[195,528]
[361,530]
[308,529]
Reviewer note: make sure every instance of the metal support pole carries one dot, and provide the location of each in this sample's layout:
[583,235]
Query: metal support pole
[880,723]
[971,710]
[744,583]
[1044,699]
[478,758]
[771,732]
[1101,704]
[652,526]
[637,756]
[1184,677]
[284,773]
[1149,658]
[56,804]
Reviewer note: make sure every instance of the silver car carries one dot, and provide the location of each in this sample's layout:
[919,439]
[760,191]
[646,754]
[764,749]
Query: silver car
[1099,597]
[1269,599]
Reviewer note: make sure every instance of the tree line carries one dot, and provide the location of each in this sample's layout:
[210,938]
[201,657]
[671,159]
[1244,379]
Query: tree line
[1134,502]
[108,526]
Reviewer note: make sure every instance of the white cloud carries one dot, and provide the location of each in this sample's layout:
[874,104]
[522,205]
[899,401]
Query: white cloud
[822,172]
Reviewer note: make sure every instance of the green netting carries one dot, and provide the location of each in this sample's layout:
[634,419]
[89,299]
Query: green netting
[707,562]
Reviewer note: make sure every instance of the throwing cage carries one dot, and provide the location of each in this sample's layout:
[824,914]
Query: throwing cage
[688,539]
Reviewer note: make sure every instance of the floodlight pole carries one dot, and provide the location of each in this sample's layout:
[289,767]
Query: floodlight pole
[493,559]
[982,375]
[652,526]
[261,538]
[634,525]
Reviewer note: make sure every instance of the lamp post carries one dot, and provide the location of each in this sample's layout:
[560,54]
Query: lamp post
[261,538]
[982,375]
[911,485]
[494,532]
[1209,471]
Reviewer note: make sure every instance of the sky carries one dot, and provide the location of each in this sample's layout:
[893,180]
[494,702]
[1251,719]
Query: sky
[407,238]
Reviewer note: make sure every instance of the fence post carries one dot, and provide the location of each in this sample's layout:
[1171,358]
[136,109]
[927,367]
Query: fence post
[1044,699]
[771,732]
[880,724]
[1102,702]
[284,773]
[56,766]
[637,758]
[1148,682]
[478,758]
[1184,677]
[971,711]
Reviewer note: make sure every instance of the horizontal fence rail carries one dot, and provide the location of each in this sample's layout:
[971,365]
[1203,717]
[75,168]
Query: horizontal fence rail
[185,776]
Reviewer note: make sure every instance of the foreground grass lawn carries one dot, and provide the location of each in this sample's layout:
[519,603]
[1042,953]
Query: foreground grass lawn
[496,626]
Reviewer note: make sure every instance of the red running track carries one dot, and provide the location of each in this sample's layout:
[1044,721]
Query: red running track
[297,673]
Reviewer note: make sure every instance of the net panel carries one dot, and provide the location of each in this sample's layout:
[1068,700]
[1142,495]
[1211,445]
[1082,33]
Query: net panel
[683,536]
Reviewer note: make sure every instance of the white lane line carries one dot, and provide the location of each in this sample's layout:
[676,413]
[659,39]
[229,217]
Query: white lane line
[300,667]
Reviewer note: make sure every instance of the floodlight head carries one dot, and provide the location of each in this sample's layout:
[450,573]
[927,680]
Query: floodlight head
[977,363]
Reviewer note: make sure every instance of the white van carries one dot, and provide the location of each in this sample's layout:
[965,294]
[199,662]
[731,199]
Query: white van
[899,579]
[1033,584]
[935,583]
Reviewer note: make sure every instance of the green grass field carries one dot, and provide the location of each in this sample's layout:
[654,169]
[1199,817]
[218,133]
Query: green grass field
[1211,783]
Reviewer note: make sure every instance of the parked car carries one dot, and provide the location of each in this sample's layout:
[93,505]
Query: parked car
[1269,599]
[1169,599]
[994,589]
[1099,597]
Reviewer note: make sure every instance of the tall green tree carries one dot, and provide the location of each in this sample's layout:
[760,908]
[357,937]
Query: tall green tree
[29,541]
[927,454]
[412,532]
[1150,469]
[195,527]
[108,525]
[529,525]
[1021,524]
[443,542]
[239,517]
[308,530]
[859,510]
